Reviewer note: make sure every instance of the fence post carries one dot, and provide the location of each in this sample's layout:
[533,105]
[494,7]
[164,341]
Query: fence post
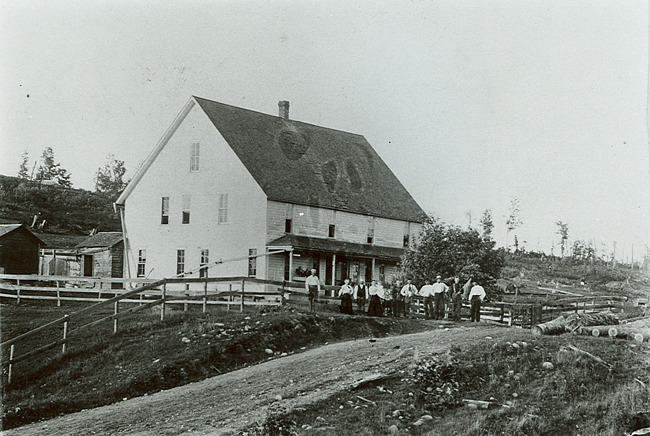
[58,295]
[229,295]
[205,295]
[17,291]
[11,357]
[241,308]
[503,310]
[65,335]
[115,319]
[162,306]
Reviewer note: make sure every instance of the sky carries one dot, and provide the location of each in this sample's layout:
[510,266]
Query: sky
[471,103]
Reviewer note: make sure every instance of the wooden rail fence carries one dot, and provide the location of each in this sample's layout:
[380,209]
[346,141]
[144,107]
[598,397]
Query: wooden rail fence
[237,292]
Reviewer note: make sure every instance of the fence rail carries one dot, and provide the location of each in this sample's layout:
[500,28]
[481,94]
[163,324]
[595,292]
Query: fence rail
[237,292]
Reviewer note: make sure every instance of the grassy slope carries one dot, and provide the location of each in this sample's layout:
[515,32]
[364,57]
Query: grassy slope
[578,397]
[62,207]
[148,355]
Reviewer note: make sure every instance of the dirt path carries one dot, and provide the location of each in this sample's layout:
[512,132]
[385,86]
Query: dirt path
[227,403]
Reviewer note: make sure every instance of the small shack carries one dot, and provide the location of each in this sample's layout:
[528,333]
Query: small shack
[102,255]
[18,250]
[58,255]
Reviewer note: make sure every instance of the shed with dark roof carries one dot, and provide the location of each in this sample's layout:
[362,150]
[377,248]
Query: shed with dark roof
[102,255]
[18,250]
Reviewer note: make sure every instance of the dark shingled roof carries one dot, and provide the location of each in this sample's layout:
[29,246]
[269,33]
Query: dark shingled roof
[5,229]
[8,228]
[301,163]
[102,239]
[60,240]
[335,246]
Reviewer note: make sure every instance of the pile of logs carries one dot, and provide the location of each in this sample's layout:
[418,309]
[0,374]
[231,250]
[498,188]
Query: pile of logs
[638,331]
[605,324]
[574,322]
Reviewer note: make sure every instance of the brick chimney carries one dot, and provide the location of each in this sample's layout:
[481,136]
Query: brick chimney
[283,105]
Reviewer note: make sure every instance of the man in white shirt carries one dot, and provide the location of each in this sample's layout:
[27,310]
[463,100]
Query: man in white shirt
[427,293]
[407,292]
[439,293]
[312,284]
[476,297]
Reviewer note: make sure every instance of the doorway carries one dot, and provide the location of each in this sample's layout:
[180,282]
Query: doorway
[88,265]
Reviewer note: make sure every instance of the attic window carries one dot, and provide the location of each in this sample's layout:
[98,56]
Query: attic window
[194,157]
[287,225]
[332,230]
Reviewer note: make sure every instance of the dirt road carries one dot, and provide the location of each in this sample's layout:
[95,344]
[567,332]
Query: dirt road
[227,403]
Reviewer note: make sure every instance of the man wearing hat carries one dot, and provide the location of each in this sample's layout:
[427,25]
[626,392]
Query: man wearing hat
[439,293]
[312,284]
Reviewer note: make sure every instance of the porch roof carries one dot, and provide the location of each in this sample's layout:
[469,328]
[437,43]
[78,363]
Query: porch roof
[335,246]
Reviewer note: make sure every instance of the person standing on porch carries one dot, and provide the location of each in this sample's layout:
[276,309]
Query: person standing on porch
[361,295]
[476,297]
[407,292]
[345,293]
[312,284]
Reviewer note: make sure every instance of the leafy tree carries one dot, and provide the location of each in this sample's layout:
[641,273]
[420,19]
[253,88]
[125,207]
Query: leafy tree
[51,170]
[514,218]
[450,250]
[110,178]
[563,231]
[23,171]
[486,223]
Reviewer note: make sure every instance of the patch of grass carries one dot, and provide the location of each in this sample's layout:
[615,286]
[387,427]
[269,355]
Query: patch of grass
[579,396]
[148,355]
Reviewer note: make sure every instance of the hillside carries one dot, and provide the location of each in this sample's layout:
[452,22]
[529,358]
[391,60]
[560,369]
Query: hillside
[62,208]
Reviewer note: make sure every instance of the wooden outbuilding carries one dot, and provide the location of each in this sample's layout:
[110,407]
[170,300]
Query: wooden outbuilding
[18,250]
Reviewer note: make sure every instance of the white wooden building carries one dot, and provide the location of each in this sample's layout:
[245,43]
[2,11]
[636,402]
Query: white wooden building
[226,182]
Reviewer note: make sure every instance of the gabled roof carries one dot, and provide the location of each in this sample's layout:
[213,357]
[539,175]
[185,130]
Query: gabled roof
[5,229]
[301,163]
[60,240]
[102,239]
[8,228]
[336,246]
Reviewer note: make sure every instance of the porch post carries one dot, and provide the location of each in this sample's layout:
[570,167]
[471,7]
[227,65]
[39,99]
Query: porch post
[333,269]
[372,270]
[291,264]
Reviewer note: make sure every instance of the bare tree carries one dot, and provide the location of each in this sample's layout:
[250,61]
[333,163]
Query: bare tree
[514,218]
[563,231]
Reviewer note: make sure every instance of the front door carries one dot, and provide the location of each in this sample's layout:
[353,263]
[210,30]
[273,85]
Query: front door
[88,265]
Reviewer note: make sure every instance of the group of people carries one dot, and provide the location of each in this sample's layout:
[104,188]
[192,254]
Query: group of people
[440,300]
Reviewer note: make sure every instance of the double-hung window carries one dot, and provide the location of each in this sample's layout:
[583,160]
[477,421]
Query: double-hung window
[252,262]
[164,211]
[222,216]
[205,259]
[186,209]
[180,261]
[195,149]
[142,262]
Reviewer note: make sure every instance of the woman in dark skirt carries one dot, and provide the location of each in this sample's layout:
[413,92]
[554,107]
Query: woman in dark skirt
[374,308]
[345,293]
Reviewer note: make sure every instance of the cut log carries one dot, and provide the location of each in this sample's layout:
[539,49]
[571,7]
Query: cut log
[554,327]
[599,331]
